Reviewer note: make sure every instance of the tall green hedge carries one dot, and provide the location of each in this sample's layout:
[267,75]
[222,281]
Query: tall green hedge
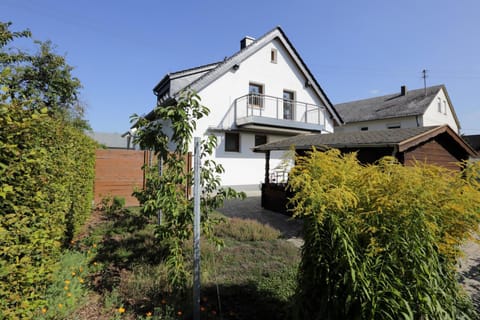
[382,241]
[46,190]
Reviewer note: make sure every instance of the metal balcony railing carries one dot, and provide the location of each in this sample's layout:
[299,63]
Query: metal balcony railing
[274,111]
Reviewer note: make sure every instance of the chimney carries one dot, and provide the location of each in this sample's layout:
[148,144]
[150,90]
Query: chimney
[403,90]
[246,42]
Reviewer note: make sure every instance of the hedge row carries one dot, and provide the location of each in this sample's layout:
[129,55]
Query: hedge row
[46,190]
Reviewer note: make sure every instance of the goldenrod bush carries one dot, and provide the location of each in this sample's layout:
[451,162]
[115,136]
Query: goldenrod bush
[382,241]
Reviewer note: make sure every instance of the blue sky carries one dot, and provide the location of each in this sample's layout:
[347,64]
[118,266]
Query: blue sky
[355,49]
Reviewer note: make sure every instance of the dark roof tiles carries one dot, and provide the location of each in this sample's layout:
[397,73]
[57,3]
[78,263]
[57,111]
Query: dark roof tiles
[414,102]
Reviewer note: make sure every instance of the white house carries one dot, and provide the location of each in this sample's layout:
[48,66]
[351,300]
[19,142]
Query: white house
[429,106]
[260,94]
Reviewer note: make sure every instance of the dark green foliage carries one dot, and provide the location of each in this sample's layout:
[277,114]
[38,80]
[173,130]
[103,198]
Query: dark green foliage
[41,80]
[381,241]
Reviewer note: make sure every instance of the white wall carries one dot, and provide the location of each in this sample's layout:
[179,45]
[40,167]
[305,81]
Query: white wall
[406,122]
[246,167]
[432,117]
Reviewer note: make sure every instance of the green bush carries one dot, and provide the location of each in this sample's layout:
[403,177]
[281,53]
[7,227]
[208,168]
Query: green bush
[381,241]
[46,190]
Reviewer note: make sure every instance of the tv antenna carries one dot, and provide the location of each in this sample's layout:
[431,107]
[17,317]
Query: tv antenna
[424,76]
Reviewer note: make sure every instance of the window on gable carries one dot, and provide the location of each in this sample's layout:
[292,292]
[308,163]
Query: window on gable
[444,107]
[232,142]
[439,105]
[273,56]
[260,139]
[255,95]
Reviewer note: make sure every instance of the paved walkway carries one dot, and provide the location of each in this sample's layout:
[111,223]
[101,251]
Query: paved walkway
[250,208]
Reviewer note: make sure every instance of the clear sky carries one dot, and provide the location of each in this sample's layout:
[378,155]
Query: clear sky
[355,49]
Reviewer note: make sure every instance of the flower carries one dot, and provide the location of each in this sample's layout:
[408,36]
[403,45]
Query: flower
[94,245]
[67,281]
[44,310]
[81,280]
[121,309]
[73,274]
[60,305]
[202,308]
[164,301]
[179,312]
[149,314]
[65,288]
[69,294]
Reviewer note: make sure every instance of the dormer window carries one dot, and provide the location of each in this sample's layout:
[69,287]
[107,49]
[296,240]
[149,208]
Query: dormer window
[273,56]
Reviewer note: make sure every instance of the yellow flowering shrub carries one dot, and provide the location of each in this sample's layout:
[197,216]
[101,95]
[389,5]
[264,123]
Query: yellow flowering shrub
[382,241]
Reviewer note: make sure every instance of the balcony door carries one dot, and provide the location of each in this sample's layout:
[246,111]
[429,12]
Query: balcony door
[255,95]
[288,105]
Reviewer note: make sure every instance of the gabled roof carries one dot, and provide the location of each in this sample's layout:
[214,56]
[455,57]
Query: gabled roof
[209,73]
[402,139]
[473,140]
[413,103]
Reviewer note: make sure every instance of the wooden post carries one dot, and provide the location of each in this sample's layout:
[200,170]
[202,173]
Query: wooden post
[267,167]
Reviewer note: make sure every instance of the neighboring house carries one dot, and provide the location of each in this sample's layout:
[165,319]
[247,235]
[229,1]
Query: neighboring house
[430,106]
[262,93]
[111,140]
[438,145]
[474,141]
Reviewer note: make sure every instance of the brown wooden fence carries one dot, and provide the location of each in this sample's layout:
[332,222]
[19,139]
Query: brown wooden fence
[117,172]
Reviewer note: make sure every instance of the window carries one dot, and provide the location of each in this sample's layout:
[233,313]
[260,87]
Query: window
[393,126]
[232,142]
[288,105]
[255,95]
[260,139]
[364,129]
[439,105]
[273,56]
[444,107]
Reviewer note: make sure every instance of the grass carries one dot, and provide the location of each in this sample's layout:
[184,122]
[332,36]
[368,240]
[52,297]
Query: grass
[252,277]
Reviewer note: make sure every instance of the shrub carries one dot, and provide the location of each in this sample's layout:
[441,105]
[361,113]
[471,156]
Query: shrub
[381,241]
[46,184]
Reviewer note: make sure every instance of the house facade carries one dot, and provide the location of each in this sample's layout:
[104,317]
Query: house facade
[262,93]
[424,107]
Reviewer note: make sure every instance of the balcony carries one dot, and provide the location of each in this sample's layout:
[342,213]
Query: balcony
[261,112]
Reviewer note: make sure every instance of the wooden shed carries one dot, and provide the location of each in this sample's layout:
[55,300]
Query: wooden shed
[438,145]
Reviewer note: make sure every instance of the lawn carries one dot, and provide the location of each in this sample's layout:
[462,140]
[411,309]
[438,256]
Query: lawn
[115,270]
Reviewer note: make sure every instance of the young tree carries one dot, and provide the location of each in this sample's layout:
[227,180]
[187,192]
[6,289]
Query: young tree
[168,133]
[43,79]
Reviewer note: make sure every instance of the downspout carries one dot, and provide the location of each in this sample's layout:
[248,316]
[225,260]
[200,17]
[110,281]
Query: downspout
[416,119]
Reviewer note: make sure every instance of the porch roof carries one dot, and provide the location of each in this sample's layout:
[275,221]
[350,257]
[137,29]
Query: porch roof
[403,139]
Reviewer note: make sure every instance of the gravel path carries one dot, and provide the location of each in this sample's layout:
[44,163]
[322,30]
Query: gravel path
[469,269]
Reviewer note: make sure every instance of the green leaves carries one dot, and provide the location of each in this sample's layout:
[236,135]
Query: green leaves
[46,186]
[169,133]
[382,241]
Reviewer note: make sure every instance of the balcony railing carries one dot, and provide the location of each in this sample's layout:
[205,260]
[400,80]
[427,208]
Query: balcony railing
[263,110]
